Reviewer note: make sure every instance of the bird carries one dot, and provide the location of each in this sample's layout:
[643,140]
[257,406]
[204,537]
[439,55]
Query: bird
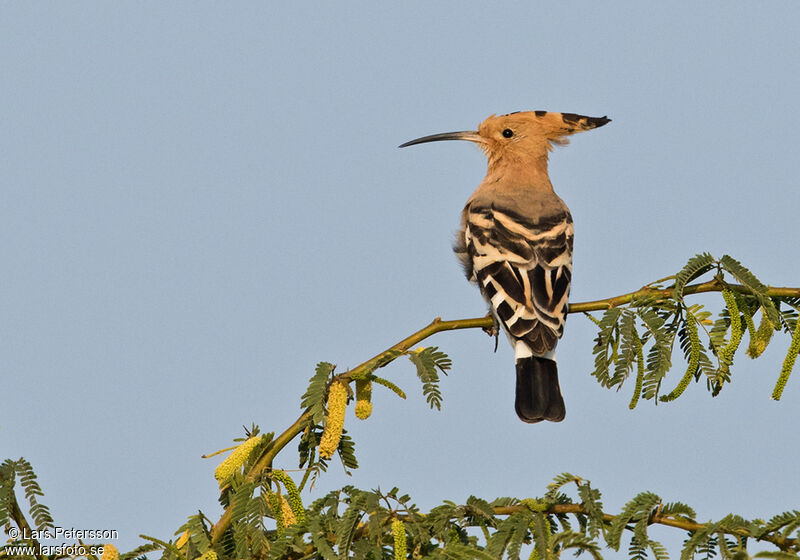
[515,242]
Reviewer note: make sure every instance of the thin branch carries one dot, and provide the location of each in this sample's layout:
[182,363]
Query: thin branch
[784,543]
[265,461]
[657,518]
[666,293]
[438,325]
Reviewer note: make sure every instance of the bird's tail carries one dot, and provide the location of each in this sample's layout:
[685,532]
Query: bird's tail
[538,394]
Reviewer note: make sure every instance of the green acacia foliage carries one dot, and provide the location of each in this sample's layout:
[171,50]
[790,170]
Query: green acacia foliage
[568,518]
[265,516]
[21,471]
[650,324]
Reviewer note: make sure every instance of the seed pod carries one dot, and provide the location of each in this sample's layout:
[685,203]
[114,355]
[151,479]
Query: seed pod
[694,360]
[236,459]
[363,398]
[788,362]
[110,552]
[399,534]
[337,403]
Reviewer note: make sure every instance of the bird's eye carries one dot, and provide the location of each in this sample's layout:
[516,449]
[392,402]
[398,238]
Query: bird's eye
[508,133]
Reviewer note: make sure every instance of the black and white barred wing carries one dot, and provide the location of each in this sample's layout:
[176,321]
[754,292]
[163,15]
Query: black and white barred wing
[523,269]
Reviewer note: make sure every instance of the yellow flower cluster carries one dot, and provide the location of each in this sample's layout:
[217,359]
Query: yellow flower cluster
[110,552]
[726,353]
[694,360]
[286,512]
[337,404]
[399,535]
[236,459]
[534,505]
[182,540]
[363,398]
[276,505]
[637,390]
[296,504]
[788,363]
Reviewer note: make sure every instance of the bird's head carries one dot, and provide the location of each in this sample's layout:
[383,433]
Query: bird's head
[523,137]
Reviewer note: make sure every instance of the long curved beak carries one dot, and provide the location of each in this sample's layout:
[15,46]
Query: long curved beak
[469,135]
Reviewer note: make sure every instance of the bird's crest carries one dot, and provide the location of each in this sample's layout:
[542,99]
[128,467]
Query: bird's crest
[551,126]
[530,135]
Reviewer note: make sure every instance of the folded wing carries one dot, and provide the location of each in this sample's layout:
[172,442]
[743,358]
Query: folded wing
[523,269]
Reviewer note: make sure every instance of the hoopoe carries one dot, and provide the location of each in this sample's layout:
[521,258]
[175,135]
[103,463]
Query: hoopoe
[515,243]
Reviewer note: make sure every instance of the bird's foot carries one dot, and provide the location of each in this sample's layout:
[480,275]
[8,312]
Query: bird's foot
[494,330]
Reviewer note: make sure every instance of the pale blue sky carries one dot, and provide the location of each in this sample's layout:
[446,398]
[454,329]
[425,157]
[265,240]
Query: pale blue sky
[201,201]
